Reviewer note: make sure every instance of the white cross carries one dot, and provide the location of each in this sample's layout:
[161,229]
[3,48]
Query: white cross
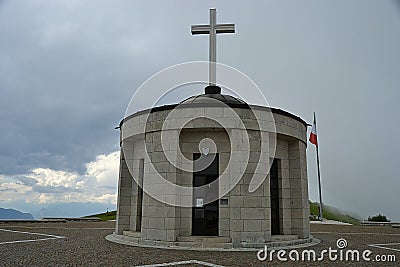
[213,29]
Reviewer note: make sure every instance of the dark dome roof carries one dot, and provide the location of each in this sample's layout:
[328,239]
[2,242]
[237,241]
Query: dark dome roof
[213,96]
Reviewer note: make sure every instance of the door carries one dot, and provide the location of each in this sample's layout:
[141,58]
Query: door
[139,203]
[205,216]
[274,194]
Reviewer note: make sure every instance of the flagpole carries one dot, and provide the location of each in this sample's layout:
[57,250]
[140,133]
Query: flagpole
[319,176]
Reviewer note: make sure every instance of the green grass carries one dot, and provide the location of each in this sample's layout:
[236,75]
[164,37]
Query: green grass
[106,216]
[330,214]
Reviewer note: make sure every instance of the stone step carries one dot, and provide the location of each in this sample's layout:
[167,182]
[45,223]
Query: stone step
[204,239]
[132,234]
[203,245]
[277,244]
[277,238]
[130,239]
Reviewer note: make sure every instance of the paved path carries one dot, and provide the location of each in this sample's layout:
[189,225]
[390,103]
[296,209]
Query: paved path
[83,244]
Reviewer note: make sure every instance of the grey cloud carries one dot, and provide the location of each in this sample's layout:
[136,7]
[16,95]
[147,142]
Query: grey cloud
[106,187]
[26,180]
[8,190]
[53,189]
[68,70]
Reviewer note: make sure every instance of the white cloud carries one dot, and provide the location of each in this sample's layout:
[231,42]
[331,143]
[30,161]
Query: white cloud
[48,177]
[105,169]
[45,198]
[107,198]
[98,184]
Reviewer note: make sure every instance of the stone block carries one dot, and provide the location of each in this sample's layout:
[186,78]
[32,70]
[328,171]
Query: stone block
[286,213]
[224,224]
[252,213]
[123,220]
[236,239]
[285,174]
[296,183]
[124,210]
[293,154]
[121,227]
[186,223]
[186,212]
[235,191]
[236,225]
[126,177]
[252,202]
[214,112]
[252,225]
[259,192]
[295,173]
[171,235]
[184,232]
[223,233]
[282,144]
[285,185]
[158,157]
[252,237]
[145,222]
[156,234]
[223,212]
[156,223]
[297,203]
[124,200]
[296,192]
[236,201]
[125,190]
[170,223]
[265,225]
[284,193]
[295,164]
[280,153]
[298,223]
[297,213]
[235,213]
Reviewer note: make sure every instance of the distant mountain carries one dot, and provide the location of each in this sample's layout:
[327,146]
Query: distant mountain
[11,214]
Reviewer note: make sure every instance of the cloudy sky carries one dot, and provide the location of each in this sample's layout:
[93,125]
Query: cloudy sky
[69,68]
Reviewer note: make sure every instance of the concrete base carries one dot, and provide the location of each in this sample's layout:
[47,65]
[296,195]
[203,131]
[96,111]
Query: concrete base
[211,243]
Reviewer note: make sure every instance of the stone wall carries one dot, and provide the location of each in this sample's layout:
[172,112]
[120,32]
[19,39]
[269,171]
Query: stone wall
[246,217]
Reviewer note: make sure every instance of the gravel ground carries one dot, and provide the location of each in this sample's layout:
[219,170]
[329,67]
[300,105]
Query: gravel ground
[85,245]
[6,236]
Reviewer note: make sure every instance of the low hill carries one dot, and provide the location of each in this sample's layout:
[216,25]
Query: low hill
[106,216]
[12,214]
[332,213]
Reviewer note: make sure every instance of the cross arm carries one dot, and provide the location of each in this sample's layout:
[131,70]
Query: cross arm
[200,29]
[225,28]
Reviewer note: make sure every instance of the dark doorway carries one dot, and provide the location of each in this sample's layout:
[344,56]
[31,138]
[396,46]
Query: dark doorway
[205,216]
[274,193]
[139,203]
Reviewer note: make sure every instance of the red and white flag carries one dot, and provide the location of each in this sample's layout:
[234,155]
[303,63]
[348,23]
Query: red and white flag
[313,134]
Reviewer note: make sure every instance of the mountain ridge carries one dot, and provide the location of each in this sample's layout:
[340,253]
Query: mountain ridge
[12,214]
